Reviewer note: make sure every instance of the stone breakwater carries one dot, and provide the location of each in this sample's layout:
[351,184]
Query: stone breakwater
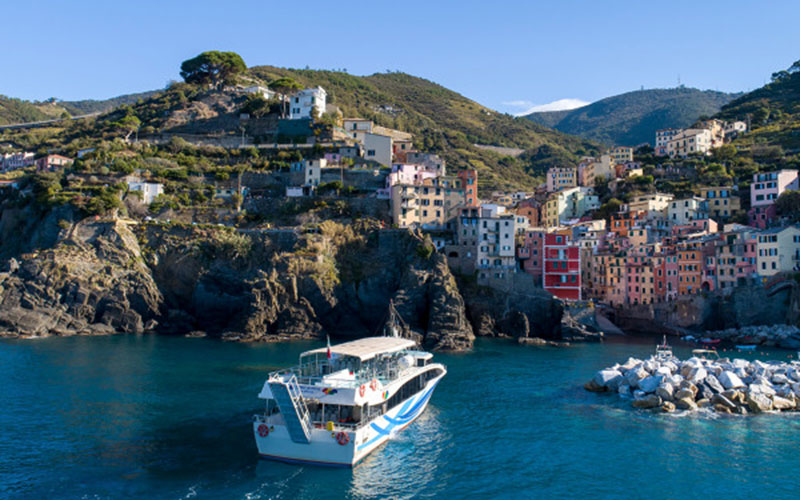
[784,336]
[723,385]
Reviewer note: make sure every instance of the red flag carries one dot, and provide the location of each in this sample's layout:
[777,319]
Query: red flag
[329,346]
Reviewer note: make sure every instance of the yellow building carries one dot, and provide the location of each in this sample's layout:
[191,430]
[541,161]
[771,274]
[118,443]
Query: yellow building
[723,202]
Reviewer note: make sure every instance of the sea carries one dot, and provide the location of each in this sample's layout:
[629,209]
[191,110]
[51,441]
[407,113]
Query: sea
[157,417]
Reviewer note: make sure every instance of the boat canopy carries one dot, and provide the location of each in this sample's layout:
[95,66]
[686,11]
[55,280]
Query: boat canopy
[366,348]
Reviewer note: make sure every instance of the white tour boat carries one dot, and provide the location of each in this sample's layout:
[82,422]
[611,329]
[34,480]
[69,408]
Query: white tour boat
[344,401]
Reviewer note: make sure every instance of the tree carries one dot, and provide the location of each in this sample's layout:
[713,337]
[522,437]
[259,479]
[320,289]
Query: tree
[284,86]
[212,68]
[788,205]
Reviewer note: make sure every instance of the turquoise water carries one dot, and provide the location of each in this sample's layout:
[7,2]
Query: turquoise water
[158,417]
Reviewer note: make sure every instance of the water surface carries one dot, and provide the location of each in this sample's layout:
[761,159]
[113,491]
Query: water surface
[159,417]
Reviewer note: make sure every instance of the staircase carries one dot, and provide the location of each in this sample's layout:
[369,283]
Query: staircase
[290,402]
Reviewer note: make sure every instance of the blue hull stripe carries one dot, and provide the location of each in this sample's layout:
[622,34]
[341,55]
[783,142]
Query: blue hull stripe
[402,419]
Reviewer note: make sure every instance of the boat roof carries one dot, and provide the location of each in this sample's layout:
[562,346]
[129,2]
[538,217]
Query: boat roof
[366,348]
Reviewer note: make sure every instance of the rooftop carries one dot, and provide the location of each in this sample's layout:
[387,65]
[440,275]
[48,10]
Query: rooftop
[366,348]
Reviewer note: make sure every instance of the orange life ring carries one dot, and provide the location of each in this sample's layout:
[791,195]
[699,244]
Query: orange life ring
[263,430]
[342,438]
[362,390]
[374,384]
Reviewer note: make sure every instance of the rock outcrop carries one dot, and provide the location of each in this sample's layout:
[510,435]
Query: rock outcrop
[108,276]
[724,386]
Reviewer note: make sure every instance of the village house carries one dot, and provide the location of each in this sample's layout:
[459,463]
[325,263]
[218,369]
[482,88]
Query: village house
[621,154]
[308,103]
[663,137]
[149,190]
[561,267]
[778,250]
[765,190]
[13,161]
[689,141]
[50,163]
[683,211]
[559,178]
[722,202]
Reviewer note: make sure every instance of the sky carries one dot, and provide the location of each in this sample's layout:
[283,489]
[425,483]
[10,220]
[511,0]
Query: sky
[512,56]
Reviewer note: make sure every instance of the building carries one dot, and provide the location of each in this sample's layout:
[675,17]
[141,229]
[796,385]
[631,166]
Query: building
[377,148]
[559,178]
[567,204]
[654,205]
[722,201]
[351,125]
[690,272]
[621,154]
[734,129]
[530,254]
[149,190]
[308,172]
[308,103]
[264,92]
[736,258]
[430,161]
[778,250]
[682,212]
[13,161]
[52,162]
[767,187]
[591,169]
[561,267]
[532,209]
[469,181]
[688,142]
[430,204]
[663,137]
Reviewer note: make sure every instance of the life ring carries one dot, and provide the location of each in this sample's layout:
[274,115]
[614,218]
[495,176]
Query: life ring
[362,390]
[342,438]
[263,430]
[374,384]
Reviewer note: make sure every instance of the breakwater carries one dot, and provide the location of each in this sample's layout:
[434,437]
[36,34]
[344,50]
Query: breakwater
[723,385]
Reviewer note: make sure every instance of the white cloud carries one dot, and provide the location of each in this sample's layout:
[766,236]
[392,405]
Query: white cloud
[559,105]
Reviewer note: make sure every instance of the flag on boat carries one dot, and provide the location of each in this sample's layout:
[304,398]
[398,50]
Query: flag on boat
[329,346]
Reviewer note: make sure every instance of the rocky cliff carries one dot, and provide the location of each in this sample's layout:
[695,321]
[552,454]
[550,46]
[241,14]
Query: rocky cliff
[109,276]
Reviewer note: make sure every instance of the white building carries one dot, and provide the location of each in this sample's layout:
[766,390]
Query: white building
[778,250]
[357,125]
[690,141]
[663,137]
[149,190]
[308,102]
[13,161]
[264,92]
[682,212]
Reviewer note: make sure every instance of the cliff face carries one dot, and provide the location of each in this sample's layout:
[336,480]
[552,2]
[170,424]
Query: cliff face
[744,306]
[105,277]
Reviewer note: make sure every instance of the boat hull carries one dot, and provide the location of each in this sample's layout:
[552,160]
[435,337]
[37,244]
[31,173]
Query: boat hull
[325,448]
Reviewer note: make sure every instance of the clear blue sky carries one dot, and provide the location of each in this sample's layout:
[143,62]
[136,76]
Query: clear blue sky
[494,52]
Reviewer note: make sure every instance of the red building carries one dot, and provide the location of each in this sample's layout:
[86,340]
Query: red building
[562,267]
[469,181]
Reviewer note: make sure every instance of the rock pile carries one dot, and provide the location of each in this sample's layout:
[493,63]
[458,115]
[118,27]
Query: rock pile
[785,336]
[723,385]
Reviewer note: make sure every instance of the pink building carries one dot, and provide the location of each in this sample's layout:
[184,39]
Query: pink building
[531,254]
[696,226]
[762,216]
[52,162]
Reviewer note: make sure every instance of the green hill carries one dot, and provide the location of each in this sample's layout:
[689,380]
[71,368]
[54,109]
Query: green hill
[445,122]
[19,111]
[88,106]
[14,110]
[632,118]
[774,112]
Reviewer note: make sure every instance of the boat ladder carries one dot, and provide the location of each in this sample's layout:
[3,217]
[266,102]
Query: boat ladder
[293,408]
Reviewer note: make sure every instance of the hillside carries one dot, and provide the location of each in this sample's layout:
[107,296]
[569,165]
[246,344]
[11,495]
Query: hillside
[14,110]
[20,111]
[774,112]
[632,118]
[445,122]
[88,106]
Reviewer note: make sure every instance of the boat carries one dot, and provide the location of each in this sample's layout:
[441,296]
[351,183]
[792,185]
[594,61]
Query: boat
[663,350]
[706,340]
[705,354]
[751,347]
[344,401]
